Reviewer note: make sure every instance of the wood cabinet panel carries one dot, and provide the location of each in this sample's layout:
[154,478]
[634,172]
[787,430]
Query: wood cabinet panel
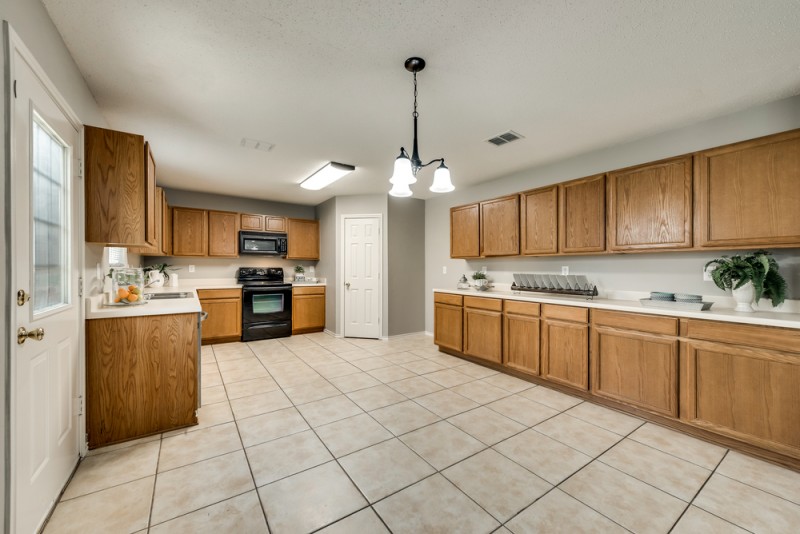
[521,341]
[565,313]
[483,333]
[223,234]
[308,309]
[274,224]
[465,231]
[636,368]
[539,221]
[115,188]
[639,322]
[151,206]
[748,193]
[141,376]
[448,324]
[650,206]
[447,298]
[302,237]
[483,303]
[750,394]
[768,337]
[224,309]
[582,215]
[189,232]
[522,308]
[252,222]
[166,228]
[499,224]
[565,353]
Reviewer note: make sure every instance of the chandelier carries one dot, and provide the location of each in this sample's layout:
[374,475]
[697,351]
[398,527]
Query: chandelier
[405,167]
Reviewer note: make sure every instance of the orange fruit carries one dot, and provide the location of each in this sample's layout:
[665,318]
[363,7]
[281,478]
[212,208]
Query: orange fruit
[133,297]
[117,299]
[122,293]
[131,287]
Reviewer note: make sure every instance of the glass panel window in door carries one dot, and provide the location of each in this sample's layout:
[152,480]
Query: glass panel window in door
[50,213]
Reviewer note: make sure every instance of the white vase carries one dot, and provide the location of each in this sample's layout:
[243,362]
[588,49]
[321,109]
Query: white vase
[744,297]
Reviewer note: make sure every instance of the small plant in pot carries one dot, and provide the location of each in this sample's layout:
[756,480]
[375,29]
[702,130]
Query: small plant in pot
[299,275]
[162,268]
[480,280]
[750,278]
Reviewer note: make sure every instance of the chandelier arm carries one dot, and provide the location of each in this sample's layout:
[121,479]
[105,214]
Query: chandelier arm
[431,161]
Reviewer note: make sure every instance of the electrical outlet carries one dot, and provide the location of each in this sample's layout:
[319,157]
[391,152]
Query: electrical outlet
[565,270]
[707,274]
[444,269]
[191,268]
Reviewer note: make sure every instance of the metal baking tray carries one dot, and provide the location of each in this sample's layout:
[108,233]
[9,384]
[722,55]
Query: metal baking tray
[688,306]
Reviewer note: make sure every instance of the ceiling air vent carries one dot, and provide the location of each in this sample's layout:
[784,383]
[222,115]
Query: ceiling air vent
[505,138]
[255,144]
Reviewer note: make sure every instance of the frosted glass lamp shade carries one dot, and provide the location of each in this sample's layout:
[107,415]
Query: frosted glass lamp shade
[400,190]
[402,172]
[441,180]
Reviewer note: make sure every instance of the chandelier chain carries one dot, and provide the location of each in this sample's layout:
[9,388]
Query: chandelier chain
[415,115]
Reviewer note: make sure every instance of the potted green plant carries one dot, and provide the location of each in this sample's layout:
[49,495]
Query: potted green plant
[299,275]
[162,271]
[749,277]
[480,279]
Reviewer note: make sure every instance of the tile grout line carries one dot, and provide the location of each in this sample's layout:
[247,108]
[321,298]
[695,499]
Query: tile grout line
[155,482]
[703,485]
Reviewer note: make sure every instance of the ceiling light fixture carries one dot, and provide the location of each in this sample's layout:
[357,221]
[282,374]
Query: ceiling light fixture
[405,168]
[326,175]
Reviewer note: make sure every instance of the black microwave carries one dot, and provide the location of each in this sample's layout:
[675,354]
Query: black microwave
[264,243]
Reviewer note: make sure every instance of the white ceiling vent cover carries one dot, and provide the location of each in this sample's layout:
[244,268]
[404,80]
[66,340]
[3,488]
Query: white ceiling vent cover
[505,138]
[255,144]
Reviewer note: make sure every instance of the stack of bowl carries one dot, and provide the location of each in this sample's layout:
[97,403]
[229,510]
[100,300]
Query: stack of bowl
[659,295]
[685,297]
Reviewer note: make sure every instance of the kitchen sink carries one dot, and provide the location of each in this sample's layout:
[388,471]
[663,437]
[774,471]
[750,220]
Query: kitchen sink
[176,295]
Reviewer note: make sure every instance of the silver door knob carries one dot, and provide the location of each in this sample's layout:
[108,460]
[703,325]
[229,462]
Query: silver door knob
[347,285]
[23,334]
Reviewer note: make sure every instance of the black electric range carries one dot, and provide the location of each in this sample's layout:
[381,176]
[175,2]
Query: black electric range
[266,303]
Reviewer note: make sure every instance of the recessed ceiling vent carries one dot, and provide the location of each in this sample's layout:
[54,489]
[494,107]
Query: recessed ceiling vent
[505,138]
[255,144]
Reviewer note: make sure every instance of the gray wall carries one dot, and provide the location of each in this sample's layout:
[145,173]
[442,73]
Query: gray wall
[638,272]
[30,21]
[196,199]
[326,215]
[406,255]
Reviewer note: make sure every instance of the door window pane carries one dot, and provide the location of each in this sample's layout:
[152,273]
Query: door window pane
[49,207]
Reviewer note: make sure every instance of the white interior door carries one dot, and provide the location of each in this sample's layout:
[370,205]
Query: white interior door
[45,265]
[362,277]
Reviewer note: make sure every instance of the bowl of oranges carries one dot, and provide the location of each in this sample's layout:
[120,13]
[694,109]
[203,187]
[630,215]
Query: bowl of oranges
[126,287]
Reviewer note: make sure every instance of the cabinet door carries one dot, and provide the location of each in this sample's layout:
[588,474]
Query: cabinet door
[650,207]
[224,319]
[465,231]
[521,342]
[252,222]
[166,228]
[582,215]
[748,193]
[302,237]
[448,326]
[115,187]
[308,312]
[500,226]
[636,368]
[483,334]
[223,234]
[151,206]
[189,232]
[274,224]
[539,221]
[749,394]
[565,353]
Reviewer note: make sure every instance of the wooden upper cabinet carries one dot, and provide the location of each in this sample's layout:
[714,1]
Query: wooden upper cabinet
[116,188]
[302,236]
[747,194]
[152,208]
[499,223]
[252,222]
[650,206]
[465,233]
[223,234]
[166,228]
[189,232]
[274,224]
[539,221]
[582,215]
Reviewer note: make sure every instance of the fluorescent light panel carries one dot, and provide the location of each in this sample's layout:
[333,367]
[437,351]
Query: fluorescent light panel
[326,175]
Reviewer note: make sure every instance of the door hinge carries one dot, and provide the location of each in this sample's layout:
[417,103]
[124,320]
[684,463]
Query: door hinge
[15,88]
[80,286]
[80,168]
[78,406]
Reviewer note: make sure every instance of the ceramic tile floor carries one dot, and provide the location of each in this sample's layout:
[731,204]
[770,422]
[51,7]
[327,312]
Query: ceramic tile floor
[314,433]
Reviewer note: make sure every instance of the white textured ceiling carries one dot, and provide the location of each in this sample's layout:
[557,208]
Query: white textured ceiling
[324,80]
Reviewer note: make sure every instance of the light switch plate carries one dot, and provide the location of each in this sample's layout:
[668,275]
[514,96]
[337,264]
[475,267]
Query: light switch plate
[191,268]
[707,274]
[444,269]
[565,270]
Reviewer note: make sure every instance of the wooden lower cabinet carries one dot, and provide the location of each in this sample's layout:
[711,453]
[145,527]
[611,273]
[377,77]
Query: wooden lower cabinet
[565,345]
[448,320]
[483,328]
[141,376]
[743,381]
[634,360]
[521,336]
[308,309]
[224,309]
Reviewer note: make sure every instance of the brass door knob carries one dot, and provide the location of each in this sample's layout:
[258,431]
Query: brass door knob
[23,334]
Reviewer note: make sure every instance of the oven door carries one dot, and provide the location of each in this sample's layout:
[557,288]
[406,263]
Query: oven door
[266,313]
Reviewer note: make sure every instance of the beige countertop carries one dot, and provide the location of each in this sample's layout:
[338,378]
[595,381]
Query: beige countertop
[716,313]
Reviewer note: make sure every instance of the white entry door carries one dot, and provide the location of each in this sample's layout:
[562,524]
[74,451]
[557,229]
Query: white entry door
[362,277]
[45,266]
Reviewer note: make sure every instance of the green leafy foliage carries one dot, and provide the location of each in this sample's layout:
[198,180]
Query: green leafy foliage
[479,275]
[760,268]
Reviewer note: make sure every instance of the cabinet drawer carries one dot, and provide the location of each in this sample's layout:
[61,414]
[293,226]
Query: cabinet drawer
[522,308]
[636,321]
[768,337]
[565,313]
[482,303]
[308,290]
[447,298]
[205,294]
